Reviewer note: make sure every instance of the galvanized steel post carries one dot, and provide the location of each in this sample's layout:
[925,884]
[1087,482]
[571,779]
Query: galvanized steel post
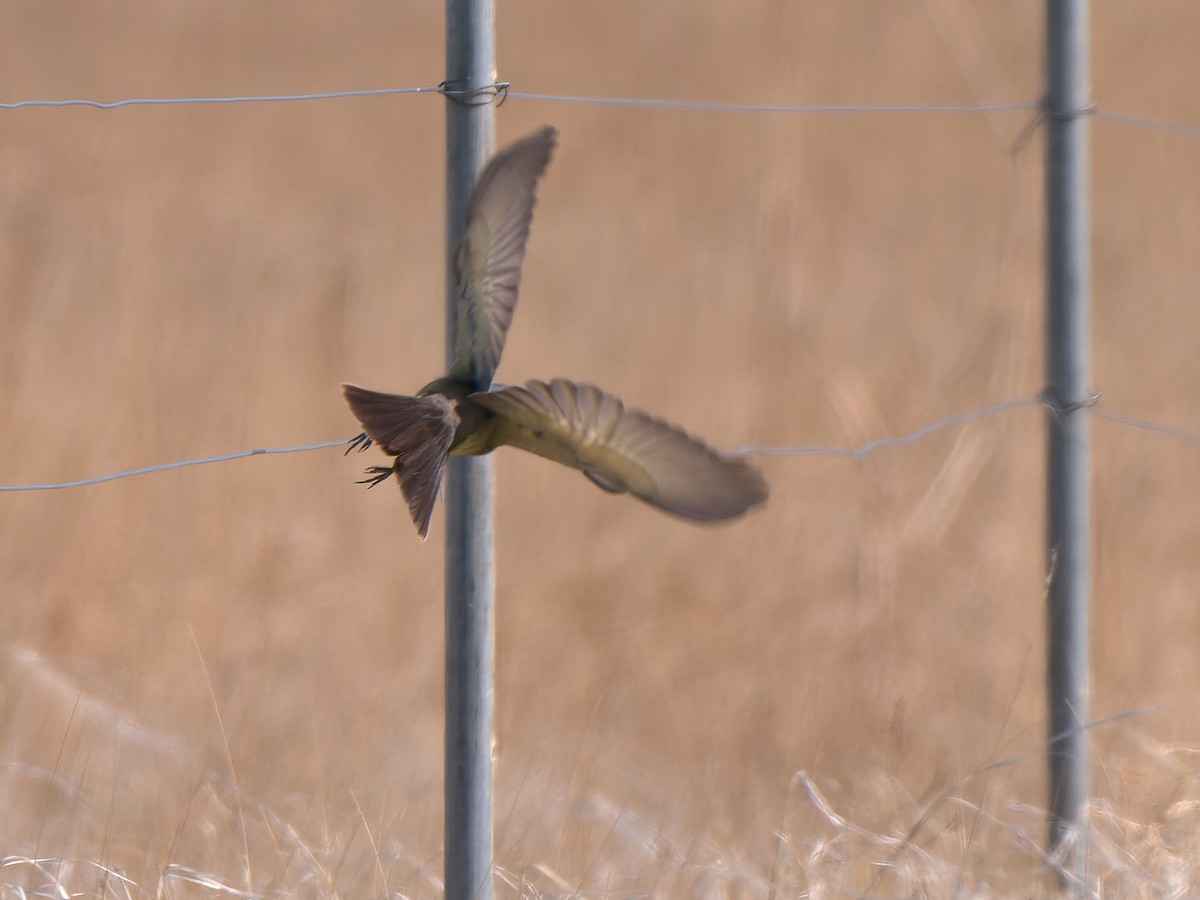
[1068,261]
[470,575]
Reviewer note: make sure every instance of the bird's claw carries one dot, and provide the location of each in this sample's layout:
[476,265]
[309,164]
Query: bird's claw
[359,443]
[378,475]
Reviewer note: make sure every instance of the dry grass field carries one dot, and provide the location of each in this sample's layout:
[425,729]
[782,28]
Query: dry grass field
[226,680]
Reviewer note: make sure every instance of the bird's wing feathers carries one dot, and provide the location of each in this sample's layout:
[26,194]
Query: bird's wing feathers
[488,263]
[417,431]
[583,427]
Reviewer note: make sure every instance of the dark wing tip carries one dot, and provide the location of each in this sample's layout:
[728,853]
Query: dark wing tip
[753,487]
[545,138]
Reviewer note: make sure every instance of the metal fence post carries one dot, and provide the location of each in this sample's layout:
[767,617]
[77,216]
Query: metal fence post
[470,575]
[1068,536]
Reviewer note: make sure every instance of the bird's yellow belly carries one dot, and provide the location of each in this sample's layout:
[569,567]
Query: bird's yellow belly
[476,430]
[475,444]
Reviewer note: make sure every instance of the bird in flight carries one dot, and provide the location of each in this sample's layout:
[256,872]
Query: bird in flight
[578,425]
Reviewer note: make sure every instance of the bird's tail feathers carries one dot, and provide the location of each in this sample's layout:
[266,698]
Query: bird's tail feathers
[417,431]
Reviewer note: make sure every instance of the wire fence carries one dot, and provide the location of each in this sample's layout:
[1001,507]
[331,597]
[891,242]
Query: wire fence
[503,90]
[851,453]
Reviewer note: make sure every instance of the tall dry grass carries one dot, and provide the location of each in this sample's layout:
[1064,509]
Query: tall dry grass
[228,678]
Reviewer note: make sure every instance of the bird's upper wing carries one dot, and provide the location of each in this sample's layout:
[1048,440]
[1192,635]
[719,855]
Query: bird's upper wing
[488,264]
[417,431]
[581,426]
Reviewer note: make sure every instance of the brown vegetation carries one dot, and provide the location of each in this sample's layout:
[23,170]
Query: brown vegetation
[232,673]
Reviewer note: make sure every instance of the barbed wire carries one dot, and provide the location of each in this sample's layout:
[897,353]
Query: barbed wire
[714,106]
[502,91]
[1177,128]
[248,98]
[1181,434]
[851,453]
[881,443]
[130,473]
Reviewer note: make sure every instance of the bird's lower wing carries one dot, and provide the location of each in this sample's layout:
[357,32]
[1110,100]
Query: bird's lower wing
[418,431]
[581,426]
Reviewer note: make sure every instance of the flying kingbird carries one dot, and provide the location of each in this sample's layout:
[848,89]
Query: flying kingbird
[578,425]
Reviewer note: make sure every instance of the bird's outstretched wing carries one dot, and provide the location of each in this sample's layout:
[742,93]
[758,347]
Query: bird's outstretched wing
[488,263]
[583,427]
[417,431]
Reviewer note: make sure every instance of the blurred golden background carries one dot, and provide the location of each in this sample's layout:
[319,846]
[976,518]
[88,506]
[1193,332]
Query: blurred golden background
[231,674]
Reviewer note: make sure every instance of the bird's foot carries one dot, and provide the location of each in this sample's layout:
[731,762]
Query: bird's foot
[359,443]
[378,475]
